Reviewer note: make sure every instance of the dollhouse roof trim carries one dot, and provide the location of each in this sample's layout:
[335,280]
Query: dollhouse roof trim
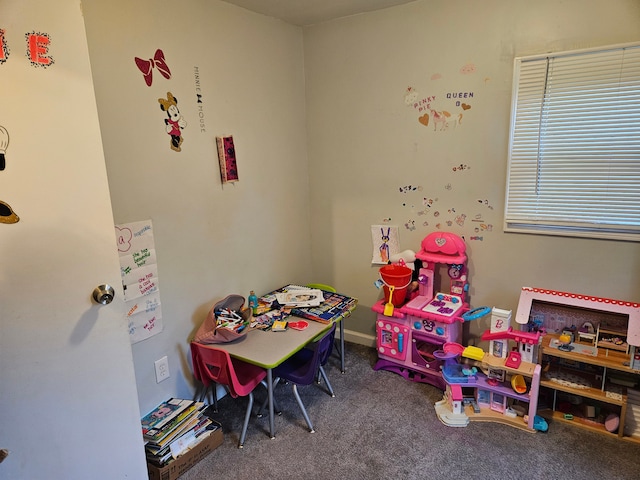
[529,294]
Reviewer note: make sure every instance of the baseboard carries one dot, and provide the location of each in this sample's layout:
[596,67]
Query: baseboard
[359,338]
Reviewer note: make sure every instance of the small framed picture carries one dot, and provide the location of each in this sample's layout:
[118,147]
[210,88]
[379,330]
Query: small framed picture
[498,402]
[483,397]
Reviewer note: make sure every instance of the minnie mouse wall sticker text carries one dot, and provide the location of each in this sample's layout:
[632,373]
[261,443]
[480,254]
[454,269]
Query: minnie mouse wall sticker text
[37,48]
[199,99]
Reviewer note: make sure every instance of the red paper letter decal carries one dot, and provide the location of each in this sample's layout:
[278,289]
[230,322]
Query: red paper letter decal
[4,49]
[37,49]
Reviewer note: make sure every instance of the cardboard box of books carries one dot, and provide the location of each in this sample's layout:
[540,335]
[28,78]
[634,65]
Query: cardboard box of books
[177,466]
[178,435]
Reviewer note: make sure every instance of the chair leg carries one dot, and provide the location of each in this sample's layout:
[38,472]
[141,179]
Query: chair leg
[342,369]
[276,408]
[326,380]
[201,393]
[247,416]
[304,410]
[214,393]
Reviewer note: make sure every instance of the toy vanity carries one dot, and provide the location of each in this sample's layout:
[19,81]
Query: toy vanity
[410,334]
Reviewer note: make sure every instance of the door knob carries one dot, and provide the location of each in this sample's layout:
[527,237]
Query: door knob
[103,294]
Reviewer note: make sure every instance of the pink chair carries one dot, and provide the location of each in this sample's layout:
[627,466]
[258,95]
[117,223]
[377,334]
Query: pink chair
[213,365]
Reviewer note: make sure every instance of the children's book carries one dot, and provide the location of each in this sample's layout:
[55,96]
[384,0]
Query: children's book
[157,434]
[300,298]
[334,307]
[164,413]
[265,320]
[279,326]
[180,430]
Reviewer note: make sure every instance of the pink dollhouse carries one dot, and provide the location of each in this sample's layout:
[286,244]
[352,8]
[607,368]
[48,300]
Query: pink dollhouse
[410,341]
[499,381]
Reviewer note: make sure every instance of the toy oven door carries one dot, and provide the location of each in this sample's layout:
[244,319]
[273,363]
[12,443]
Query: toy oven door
[392,339]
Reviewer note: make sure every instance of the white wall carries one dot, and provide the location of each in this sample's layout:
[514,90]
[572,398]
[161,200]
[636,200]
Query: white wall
[343,84]
[365,143]
[211,240]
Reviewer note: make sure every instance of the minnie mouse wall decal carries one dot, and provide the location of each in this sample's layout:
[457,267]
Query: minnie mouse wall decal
[175,122]
[146,67]
[7,215]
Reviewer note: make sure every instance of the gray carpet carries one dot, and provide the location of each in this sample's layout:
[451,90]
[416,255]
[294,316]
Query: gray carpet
[380,425]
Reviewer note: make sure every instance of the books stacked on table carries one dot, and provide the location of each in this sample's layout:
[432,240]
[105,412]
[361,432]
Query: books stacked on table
[335,307]
[332,308]
[173,428]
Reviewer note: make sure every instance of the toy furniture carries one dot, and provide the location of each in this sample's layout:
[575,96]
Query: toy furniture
[498,380]
[592,383]
[410,341]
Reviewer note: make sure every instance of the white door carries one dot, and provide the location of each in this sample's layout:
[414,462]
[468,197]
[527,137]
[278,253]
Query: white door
[68,399]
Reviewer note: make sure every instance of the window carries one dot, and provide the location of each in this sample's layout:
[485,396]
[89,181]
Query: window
[574,150]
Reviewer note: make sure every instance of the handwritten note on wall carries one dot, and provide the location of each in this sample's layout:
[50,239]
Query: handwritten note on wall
[139,271]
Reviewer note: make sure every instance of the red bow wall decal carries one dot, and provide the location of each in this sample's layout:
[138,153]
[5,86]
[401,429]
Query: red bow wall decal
[146,67]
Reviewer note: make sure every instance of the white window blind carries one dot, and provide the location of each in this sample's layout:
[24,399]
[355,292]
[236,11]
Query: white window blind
[574,153]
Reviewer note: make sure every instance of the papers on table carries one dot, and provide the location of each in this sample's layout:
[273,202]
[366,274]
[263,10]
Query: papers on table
[300,297]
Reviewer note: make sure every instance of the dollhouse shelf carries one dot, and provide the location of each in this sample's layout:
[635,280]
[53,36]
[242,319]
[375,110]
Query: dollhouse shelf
[613,339]
[530,370]
[589,375]
[527,369]
[488,415]
[610,359]
[485,410]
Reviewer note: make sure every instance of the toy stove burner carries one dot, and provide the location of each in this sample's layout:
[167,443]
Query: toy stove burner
[445,305]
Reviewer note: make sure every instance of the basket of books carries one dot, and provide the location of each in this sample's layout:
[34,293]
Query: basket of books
[227,321]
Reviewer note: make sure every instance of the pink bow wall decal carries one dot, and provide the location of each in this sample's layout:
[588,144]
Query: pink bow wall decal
[146,67]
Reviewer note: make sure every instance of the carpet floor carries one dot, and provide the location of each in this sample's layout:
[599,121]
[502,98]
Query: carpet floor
[381,426]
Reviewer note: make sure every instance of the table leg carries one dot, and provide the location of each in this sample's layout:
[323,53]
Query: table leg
[342,345]
[270,397]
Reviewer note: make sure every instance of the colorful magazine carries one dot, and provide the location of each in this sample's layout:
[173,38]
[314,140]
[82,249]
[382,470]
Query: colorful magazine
[335,307]
[164,413]
[157,434]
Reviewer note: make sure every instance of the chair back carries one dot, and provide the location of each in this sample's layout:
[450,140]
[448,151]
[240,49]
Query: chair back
[302,368]
[322,286]
[327,351]
[216,365]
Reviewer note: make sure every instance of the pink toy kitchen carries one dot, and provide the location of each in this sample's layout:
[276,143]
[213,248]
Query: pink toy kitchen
[413,324]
